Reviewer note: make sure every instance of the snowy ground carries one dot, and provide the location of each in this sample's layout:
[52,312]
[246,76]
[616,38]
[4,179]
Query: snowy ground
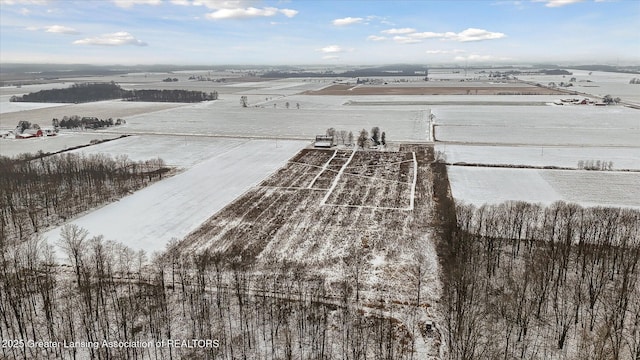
[9,107]
[598,83]
[62,141]
[622,158]
[171,208]
[227,118]
[179,151]
[481,185]
[101,109]
[571,136]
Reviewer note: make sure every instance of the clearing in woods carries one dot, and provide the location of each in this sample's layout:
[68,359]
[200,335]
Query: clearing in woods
[357,217]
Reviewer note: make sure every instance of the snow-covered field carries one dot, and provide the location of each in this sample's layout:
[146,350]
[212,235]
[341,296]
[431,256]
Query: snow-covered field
[173,207]
[538,125]
[572,136]
[481,185]
[569,116]
[9,107]
[62,141]
[101,109]
[595,82]
[622,158]
[227,118]
[179,151]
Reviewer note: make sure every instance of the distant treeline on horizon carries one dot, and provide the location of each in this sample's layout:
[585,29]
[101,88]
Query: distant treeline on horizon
[88,92]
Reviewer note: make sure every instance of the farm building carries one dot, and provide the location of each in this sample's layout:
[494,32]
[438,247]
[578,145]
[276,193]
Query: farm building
[323,141]
[29,133]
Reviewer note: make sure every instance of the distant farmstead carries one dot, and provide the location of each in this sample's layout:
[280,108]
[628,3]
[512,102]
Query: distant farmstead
[29,133]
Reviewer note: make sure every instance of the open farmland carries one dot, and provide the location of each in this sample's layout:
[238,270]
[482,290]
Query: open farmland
[475,89]
[540,156]
[179,204]
[484,185]
[51,144]
[598,83]
[101,109]
[547,125]
[226,117]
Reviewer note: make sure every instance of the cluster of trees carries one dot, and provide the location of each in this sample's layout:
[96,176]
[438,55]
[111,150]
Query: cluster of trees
[24,125]
[76,93]
[342,137]
[206,78]
[87,92]
[35,193]
[185,96]
[595,165]
[634,81]
[75,121]
[608,99]
[170,79]
[377,138]
[525,281]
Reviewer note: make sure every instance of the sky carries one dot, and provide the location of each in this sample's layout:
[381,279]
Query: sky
[215,32]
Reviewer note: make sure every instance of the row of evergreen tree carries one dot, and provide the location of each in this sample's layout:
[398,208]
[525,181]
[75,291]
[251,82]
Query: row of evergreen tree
[88,92]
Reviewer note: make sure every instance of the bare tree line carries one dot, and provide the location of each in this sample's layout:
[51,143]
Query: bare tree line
[110,292]
[37,193]
[526,281]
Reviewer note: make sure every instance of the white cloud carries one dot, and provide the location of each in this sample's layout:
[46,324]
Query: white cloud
[426,35]
[250,12]
[115,39]
[25,11]
[558,3]
[56,29]
[129,3]
[376,38]
[331,49]
[59,29]
[480,58]
[219,4]
[289,12]
[436,52]
[406,40]
[347,21]
[472,34]
[399,31]
[24,2]
[236,9]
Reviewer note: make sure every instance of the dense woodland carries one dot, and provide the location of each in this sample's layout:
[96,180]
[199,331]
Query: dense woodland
[88,92]
[111,292]
[38,192]
[528,282]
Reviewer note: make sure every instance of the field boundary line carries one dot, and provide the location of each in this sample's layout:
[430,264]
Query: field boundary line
[335,181]
[292,187]
[378,178]
[381,165]
[415,180]
[335,152]
[369,207]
